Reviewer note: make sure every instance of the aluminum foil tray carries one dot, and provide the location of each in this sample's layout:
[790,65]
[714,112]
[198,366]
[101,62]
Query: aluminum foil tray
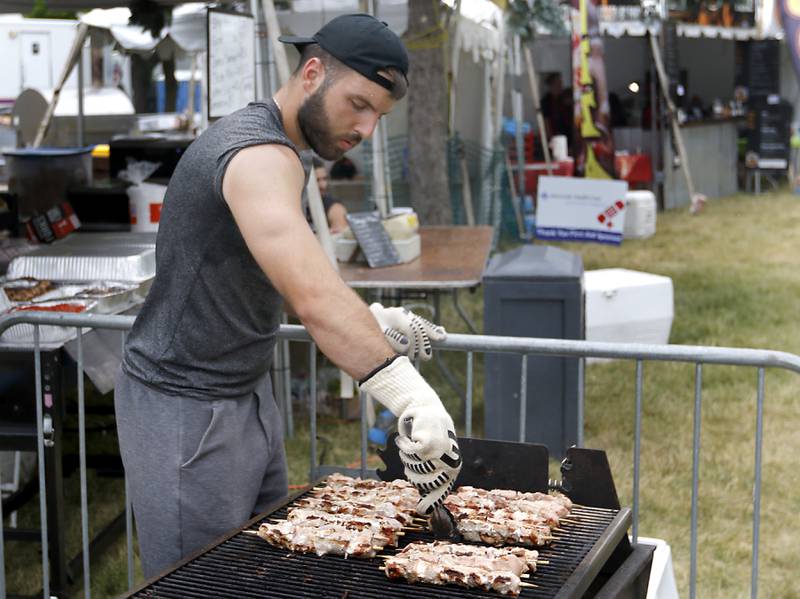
[66,262]
[80,240]
[22,334]
[109,297]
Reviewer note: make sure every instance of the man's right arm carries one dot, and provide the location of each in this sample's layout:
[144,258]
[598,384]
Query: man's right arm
[262,186]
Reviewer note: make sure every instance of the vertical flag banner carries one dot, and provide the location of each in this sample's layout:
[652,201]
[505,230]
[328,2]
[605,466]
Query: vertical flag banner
[790,19]
[594,141]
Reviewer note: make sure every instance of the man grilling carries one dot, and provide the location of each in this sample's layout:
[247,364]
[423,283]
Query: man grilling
[199,430]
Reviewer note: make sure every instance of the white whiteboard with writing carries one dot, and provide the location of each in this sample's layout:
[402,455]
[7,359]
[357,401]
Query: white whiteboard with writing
[231,62]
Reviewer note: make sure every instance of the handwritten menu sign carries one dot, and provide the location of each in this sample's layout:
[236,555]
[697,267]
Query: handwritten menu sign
[763,67]
[373,239]
[231,62]
[770,133]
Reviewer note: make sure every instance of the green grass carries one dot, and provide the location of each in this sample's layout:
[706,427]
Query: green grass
[737,283]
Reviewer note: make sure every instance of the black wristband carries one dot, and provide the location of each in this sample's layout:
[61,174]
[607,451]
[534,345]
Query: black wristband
[378,369]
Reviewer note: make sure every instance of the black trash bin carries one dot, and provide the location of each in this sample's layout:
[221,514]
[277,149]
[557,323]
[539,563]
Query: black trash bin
[534,291]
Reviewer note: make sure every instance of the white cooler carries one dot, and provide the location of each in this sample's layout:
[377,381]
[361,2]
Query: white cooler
[627,306]
[640,215]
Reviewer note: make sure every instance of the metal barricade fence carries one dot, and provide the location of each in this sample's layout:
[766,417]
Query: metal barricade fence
[470,344]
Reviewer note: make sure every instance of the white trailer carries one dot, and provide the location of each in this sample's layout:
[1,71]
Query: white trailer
[33,52]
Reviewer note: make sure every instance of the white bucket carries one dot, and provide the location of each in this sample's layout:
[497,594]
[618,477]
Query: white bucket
[144,201]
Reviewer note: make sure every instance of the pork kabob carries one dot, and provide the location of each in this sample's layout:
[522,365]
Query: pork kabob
[397,499]
[315,531]
[348,517]
[337,480]
[503,516]
[498,569]
[554,507]
[380,509]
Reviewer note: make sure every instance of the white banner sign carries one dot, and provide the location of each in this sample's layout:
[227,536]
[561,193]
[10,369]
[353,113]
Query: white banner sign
[578,209]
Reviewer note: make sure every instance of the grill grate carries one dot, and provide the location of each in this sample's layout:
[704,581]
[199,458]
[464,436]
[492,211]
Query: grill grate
[245,566]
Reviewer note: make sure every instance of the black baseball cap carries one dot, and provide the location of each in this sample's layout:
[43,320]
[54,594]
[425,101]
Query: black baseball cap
[362,42]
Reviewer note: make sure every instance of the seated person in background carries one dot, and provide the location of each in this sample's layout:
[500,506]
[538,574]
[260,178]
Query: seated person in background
[334,209]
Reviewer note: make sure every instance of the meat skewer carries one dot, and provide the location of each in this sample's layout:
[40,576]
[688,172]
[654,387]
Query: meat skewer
[504,516]
[388,527]
[528,557]
[496,531]
[404,499]
[384,509]
[337,480]
[552,506]
[324,538]
[488,568]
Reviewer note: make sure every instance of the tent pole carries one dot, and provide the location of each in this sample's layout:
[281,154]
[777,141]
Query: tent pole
[537,107]
[378,171]
[81,121]
[454,56]
[387,170]
[381,182]
[259,49]
[72,57]
[516,100]
[203,59]
[192,86]
[278,51]
[487,144]
[696,199]
[496,208]
[655,135]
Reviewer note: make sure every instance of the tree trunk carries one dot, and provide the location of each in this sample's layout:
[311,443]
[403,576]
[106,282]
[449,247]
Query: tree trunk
[427,121]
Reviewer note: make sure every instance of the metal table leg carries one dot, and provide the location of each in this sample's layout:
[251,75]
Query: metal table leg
[437,356]
[53,413]
[464,316]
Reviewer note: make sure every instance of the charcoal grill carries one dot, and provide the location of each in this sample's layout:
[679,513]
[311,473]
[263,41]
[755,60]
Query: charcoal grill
[590,558]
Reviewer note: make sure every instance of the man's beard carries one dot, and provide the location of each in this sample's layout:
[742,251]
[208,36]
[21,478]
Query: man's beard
[316,127]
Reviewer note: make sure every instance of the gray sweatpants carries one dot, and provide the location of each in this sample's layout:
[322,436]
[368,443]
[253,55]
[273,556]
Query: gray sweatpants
[196,468]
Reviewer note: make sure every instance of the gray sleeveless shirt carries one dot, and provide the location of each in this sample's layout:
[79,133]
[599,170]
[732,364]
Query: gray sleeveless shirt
[207,328]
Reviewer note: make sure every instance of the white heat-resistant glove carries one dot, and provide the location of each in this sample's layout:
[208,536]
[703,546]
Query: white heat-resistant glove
[427,438]
[406,332]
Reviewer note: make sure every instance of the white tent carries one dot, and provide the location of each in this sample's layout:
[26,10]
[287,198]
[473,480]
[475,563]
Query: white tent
[478,30]
[186,32]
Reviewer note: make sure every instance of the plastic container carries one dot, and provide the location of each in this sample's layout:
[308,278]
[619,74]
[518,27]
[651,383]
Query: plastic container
[145,200]
[628,306]
[640,215]
[408,249]
[384,423]
[39,177]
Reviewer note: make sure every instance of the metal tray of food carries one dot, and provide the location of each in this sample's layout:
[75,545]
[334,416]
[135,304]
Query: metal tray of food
[22,334]
[109,297]
[63,262]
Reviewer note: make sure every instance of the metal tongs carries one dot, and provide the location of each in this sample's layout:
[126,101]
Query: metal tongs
[443,524]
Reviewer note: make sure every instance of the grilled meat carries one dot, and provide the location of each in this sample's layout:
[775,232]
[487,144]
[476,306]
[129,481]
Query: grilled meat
[488,568]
